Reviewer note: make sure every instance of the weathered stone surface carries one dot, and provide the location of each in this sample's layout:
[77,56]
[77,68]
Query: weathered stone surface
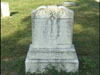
[52,31]
[58,53]
[5,9]
[68,65]
[52,27]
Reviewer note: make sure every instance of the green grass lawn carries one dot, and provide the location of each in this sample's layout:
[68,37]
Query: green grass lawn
[16,36]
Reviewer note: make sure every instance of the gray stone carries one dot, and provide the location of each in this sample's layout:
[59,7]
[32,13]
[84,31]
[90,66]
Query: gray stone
[52,31]
[69,65]
[5,9]
[67,62]
[52,53]
[65,3]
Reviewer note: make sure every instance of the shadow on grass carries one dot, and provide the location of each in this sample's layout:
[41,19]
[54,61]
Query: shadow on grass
[14,47]
[13,13]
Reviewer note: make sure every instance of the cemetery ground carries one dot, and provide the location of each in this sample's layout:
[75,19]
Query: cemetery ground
[16,36]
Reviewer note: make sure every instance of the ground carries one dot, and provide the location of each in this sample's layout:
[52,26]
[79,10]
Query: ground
[16,36]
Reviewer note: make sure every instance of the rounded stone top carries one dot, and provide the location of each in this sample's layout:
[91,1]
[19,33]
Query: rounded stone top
[52,11]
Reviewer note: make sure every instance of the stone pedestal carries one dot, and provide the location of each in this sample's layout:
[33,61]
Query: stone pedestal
[52,31]
[5,9]
[62,58]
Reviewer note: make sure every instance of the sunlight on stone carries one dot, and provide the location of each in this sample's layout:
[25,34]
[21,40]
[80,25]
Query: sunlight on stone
[97,0]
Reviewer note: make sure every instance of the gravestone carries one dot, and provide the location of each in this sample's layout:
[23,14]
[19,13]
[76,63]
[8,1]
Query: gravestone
[97,0]
[5,9]
[65,3]
[52,32]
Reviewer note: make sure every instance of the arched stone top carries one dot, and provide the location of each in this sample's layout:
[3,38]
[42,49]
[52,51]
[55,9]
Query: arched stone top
[52,11]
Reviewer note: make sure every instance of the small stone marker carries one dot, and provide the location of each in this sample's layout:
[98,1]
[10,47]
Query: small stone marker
[65,3]
[52,31]
[5,9]
[98,0]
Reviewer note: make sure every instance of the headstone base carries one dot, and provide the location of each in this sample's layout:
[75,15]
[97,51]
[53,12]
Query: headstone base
[62,59]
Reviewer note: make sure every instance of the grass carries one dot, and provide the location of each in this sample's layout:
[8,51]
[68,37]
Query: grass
[16,36]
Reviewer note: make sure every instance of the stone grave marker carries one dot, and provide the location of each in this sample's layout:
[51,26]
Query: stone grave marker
[97,0]
[52,36]
[65,3]
[5,9]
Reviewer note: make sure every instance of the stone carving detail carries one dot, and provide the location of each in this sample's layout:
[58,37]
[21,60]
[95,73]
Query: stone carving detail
[51,12]
[56,24]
